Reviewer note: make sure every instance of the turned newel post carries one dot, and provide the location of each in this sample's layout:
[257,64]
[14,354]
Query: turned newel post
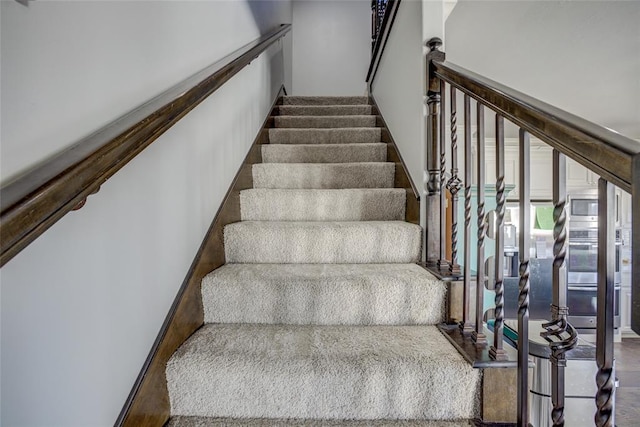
[434,182]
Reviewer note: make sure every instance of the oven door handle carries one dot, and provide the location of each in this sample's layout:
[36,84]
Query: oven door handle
[583,288]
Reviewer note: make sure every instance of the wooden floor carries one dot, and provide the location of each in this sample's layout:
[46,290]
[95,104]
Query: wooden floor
[628,372]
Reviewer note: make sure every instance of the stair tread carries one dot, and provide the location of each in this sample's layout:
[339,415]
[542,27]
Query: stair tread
[324,110]
[324,153]
[323,294]
[324,121]
[342,204]
[348,372]
[325,100]
[324,175]
[186,421]
[324,135]
[317,242]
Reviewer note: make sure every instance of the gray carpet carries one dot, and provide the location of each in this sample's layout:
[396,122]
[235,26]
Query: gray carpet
[324,121]
[324,110]
[323,175]
[355,204]
[319,242]
[324,136]
[281,422]
[325,100]
[321,316]
[324,153]
[323,294]
[321,372]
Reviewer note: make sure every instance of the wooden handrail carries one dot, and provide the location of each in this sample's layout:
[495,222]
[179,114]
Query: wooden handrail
[381,40]
[36,200]
[612,156]
[607,153]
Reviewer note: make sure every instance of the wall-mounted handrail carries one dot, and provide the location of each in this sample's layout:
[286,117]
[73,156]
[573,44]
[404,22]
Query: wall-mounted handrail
[612,156]
[33,202]
[381,34]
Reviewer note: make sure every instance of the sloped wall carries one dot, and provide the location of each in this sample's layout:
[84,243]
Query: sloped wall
[82,305]
[399,88]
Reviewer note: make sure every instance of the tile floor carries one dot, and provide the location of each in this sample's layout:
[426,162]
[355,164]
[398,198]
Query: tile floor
[628,372]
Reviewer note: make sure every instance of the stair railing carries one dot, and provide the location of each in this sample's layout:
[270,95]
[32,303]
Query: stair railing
[612,156]
[383,14]
[36,200]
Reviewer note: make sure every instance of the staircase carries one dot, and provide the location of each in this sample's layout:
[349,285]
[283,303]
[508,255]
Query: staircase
[321,315]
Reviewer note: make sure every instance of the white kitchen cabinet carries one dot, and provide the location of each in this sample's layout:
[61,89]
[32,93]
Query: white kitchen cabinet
[579,177]
[541,179]
[540,166]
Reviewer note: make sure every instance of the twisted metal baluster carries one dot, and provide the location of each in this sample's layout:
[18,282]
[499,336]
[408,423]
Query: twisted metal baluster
[561,335]
[454,185]
[497,351]
[605,378]
[605,397]
[523,296]
[466,324]
[442,261]
[478,335]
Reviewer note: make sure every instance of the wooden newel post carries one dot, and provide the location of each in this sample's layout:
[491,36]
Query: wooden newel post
[434,184]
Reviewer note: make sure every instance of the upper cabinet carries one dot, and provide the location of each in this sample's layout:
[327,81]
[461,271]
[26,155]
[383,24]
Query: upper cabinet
[541,166]
[540,181]
[579,177]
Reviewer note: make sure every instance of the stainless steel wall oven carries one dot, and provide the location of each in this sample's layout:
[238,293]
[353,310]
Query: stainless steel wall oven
[582,261]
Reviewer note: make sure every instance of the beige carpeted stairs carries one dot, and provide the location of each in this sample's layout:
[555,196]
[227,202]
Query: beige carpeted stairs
[321,316]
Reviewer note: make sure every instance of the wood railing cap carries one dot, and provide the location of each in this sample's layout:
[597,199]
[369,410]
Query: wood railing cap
[30,204]
[599,149]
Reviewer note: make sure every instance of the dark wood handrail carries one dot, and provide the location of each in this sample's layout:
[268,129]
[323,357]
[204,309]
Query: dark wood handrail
[383,36]
[36,200]
[607,153]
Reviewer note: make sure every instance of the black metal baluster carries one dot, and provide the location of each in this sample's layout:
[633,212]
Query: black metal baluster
[454,185]
[605,378]
[442,260]
[635,243]
[561,335]
[497,351]
[523,297]
[478,335]
[467,325]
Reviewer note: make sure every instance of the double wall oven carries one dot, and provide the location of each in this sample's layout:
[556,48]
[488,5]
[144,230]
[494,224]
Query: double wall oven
[582,261]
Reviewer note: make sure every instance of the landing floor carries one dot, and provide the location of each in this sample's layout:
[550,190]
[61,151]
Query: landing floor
[628,372]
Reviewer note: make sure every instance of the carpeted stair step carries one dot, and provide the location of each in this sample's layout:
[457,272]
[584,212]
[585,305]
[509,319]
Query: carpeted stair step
[358,204]
[323,175]
[324,153]
[183,421]
[323,294]
[325,136]
[321,372]
[325,100]
[324,121]
[324,110]
[318,242]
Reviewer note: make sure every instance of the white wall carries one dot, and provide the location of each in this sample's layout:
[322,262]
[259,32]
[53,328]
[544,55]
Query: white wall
[581,56]
[331,46]
[82,305]
[399,88]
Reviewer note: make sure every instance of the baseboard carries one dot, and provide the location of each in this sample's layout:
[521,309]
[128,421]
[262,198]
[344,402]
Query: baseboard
[148,402]
[402,177]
